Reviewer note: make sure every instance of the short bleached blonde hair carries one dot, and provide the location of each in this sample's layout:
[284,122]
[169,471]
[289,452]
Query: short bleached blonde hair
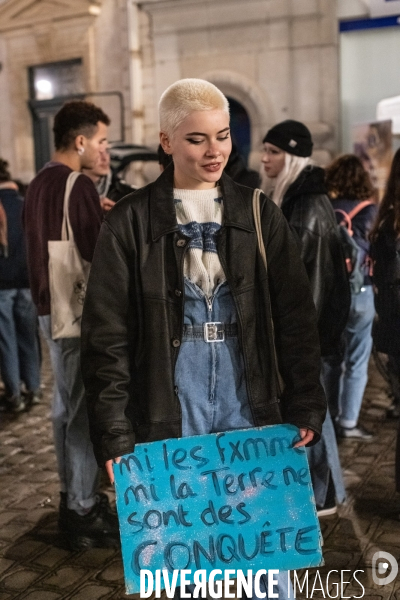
[186,96]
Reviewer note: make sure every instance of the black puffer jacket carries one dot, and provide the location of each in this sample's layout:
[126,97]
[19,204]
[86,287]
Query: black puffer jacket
[385,252]
[309,213]
[133,318]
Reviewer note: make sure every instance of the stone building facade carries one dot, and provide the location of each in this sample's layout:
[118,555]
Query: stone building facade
[277,58]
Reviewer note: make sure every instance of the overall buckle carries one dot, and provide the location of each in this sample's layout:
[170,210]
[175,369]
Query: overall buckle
[214,332]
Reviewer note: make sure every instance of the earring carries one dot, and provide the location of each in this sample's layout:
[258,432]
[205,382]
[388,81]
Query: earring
[81,151]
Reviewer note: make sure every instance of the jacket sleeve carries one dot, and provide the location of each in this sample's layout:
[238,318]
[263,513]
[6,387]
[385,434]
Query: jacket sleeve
[295,323]
[315,255]
[105,348]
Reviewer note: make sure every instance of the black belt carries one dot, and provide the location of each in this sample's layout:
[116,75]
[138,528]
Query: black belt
[210,332]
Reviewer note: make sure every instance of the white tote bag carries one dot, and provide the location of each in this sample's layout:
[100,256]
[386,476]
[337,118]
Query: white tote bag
[68,275]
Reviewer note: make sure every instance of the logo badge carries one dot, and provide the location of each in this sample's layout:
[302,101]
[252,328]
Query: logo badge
[381,561]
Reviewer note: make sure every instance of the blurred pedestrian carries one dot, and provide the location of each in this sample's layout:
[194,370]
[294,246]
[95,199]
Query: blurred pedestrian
[385,252]
[239,171]
[298,188]
[80,135]
[346,372]
[19,350]
[108,185]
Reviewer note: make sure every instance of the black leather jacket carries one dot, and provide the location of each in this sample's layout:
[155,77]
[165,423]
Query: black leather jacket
[133,316]
[385,252]
[309,212]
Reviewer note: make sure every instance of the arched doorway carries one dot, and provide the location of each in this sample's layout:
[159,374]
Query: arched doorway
[240,128]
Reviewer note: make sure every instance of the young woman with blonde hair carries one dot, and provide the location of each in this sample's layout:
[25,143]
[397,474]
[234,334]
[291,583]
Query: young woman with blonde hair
[174,259]
[298,188]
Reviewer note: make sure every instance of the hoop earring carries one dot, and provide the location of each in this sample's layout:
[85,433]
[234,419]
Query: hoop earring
[81,151]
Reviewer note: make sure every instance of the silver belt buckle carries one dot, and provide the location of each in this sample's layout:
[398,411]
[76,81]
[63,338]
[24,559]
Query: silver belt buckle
[214,332]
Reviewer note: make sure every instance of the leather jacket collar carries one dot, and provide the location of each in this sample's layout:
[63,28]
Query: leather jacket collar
[162,209]
[310,181]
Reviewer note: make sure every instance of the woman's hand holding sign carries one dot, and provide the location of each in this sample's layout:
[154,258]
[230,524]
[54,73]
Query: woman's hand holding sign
[307,436]
[109,468]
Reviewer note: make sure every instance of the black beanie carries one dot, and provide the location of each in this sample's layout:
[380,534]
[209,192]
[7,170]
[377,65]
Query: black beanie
[292,137]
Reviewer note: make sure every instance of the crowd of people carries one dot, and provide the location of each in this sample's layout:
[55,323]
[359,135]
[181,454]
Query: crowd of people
[177,256]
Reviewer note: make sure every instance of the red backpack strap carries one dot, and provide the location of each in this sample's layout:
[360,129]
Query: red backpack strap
[346,221]
[359,208]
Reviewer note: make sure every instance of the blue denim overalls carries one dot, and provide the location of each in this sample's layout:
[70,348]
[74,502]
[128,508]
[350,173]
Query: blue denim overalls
[209,372]
[210,377]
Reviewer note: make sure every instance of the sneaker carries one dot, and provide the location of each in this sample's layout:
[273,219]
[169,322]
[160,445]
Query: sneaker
[13,404]
[33,398]
[393,412]
[97,529]
[329,508]
[326,510]
[357,432]
[63,508]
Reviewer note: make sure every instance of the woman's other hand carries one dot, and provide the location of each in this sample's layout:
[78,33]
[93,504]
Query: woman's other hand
[109,468]
[307,435]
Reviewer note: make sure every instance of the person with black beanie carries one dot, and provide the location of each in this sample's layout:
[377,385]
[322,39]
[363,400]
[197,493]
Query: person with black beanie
[298,188]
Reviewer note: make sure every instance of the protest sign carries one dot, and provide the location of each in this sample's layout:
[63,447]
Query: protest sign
[236,500]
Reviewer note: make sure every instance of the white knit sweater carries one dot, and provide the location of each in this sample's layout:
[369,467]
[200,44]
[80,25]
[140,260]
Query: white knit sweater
[199,214]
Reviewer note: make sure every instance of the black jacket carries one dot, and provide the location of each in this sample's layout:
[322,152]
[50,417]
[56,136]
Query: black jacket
[385,252]
[118,188]
[309,212]
[133,317]
[14,269]
[237,169]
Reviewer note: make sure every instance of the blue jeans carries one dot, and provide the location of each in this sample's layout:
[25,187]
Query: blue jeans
[19,348]
[77,467]
[324,461]
[345,376]
[210,377]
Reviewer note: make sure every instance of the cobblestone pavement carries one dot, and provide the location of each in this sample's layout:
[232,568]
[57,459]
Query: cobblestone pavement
[35,563]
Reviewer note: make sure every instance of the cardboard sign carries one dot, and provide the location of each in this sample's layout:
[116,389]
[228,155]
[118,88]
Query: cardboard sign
[236,500]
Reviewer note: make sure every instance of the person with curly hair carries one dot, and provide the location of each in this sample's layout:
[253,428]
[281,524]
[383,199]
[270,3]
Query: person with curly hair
[346,373]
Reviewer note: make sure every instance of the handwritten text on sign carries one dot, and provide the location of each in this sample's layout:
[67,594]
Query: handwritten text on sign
[239,500]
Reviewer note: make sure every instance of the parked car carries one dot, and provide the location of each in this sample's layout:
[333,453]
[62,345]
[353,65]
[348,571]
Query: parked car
[136,165]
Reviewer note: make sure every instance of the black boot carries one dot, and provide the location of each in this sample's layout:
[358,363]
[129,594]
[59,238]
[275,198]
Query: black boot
[99,528]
